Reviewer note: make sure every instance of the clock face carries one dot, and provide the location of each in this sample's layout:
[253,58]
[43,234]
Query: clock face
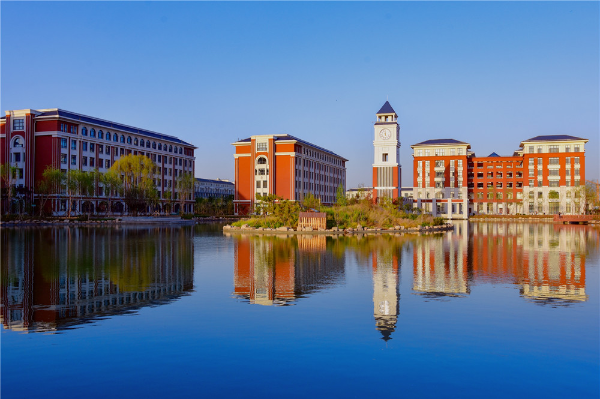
[385,134]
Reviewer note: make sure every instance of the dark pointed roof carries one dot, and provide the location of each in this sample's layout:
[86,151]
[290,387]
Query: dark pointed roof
[493,154]
[386,109]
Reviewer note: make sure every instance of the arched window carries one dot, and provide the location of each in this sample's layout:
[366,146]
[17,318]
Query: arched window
[128,139]
[17,142]
[261,161]
[84,131]
[154,145]
[170,148]
[92,133]
[180,150]
[136,142]
[159,146]
[100,134]
[108,136]
[115,137]
[147,143]
[123,139]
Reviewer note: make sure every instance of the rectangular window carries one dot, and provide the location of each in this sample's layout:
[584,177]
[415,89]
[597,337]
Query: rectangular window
[553,183]
[567,148]
[265,184]
[384,157]
[531,150]
[576,183]
[84,146]
[539,161]
[553,148]
[460,163]
[539,149]
[73,159]
[553,161]
[554,172]
[17,157]
[63,143]
[452,151]
[261,146]
[91,147]
[63,158]
[530,183]
[577,172]
[121,152]
[576,148]
[100,149]
[576,161]
[74,144]
[107,163]
[419,153]
[83,161]
[480,175]
[92,161]
[19,124]
[439,164]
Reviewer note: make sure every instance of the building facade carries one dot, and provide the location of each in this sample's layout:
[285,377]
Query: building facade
[387,172]
[545,175]
[32,140]
[213,188]
[285,166]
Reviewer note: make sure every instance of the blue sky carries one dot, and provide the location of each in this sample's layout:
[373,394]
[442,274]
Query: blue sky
[491,74]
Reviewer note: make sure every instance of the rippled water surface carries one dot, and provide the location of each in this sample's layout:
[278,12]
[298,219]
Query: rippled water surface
[489,310]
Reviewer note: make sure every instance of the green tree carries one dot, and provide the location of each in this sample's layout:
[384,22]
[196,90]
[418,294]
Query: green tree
[8,174]
[591,195]
[112,186]
[137,173]
[311,202]
[340,196]
[185,186]
[52,183]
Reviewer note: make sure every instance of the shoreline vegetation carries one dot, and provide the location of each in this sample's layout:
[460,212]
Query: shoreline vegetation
[276,214]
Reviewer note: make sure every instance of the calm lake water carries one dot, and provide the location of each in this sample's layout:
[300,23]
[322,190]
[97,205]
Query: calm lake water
[489,310]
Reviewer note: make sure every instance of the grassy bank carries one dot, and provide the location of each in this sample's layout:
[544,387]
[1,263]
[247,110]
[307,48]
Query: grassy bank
[285,214]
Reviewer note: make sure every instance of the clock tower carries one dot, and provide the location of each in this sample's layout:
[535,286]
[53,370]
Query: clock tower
[386,164]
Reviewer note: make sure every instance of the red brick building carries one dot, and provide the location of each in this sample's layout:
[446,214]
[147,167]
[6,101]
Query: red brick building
[544,176]
[286,166]
[32,140]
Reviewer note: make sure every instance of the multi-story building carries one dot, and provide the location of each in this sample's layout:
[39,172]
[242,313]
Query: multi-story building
[286,166]
[32,140]
[386,163]
[213,188]
[544,176]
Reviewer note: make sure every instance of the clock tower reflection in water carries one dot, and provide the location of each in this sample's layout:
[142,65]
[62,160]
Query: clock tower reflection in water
[386,265]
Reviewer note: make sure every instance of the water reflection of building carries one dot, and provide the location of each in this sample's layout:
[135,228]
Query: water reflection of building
[277,270]
[386,296]
[441,264]
[546,261]
[56,278]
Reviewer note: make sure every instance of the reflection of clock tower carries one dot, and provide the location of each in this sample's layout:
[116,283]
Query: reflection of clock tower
[386,165]
[385,292]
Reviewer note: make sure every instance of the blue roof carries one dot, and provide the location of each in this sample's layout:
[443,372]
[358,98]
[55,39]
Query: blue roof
[214,181]
[112,125]
[556,137]
[386,109]
[440,142]
[493,154]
